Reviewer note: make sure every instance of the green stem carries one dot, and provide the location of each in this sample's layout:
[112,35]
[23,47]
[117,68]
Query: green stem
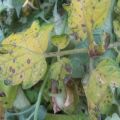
[29,118]
[58,56]
[75,51]
[91,65]
[39,97]
[67,52]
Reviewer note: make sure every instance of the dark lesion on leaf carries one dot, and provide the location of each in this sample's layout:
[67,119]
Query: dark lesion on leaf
[28,61]
[7,82]
[2,94]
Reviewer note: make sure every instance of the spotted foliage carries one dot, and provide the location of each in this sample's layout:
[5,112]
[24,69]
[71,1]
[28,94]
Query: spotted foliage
[23,60]
[87,15]
[98,91]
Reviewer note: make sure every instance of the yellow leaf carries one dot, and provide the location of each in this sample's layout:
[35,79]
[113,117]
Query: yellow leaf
[86,15]
[116,25]
[7,94]
[21,65]
[22,59]
[34,38]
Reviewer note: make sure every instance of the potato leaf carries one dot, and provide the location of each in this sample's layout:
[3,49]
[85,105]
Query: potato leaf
[98,92]
[21,65]
[117,7]
[116,24]
[7,94]
[60,41]
[34,38]
[66,100]
[86,15]
[23,61]
[114,117]
[17,4]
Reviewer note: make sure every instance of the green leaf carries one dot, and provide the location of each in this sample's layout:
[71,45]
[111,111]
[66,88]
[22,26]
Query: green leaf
[67,99]
[2,7]
[116,25]
[79,61]
[17,4]
[114,117]
[117,7]
[58,20]
[60,41]
[7,94]
[21,102]
[32,94]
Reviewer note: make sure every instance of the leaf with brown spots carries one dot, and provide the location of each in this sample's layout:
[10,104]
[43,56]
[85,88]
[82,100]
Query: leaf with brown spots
[34,38]
[24,61]
[86,15]
[65,95]
[98,90]
[7,95]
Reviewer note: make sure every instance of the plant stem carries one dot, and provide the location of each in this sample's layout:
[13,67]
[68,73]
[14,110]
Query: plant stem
[58,56]
[67,52]
[29,118]
[39,98]
[75,51]
[91,65]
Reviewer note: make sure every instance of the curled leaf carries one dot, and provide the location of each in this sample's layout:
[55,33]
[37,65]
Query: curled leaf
[60,41]
[65,95]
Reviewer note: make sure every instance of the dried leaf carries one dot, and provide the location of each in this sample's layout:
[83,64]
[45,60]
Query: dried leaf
[63,86]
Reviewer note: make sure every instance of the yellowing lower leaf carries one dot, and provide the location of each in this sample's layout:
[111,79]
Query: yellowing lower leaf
[21,56]
[98,92]
[60,41]
[21,65]
[86,15]
[34,38]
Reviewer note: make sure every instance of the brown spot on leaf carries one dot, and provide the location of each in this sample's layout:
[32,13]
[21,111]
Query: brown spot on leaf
[7,82]
[13,70]
[2,94]
[21,76]
[28,61]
